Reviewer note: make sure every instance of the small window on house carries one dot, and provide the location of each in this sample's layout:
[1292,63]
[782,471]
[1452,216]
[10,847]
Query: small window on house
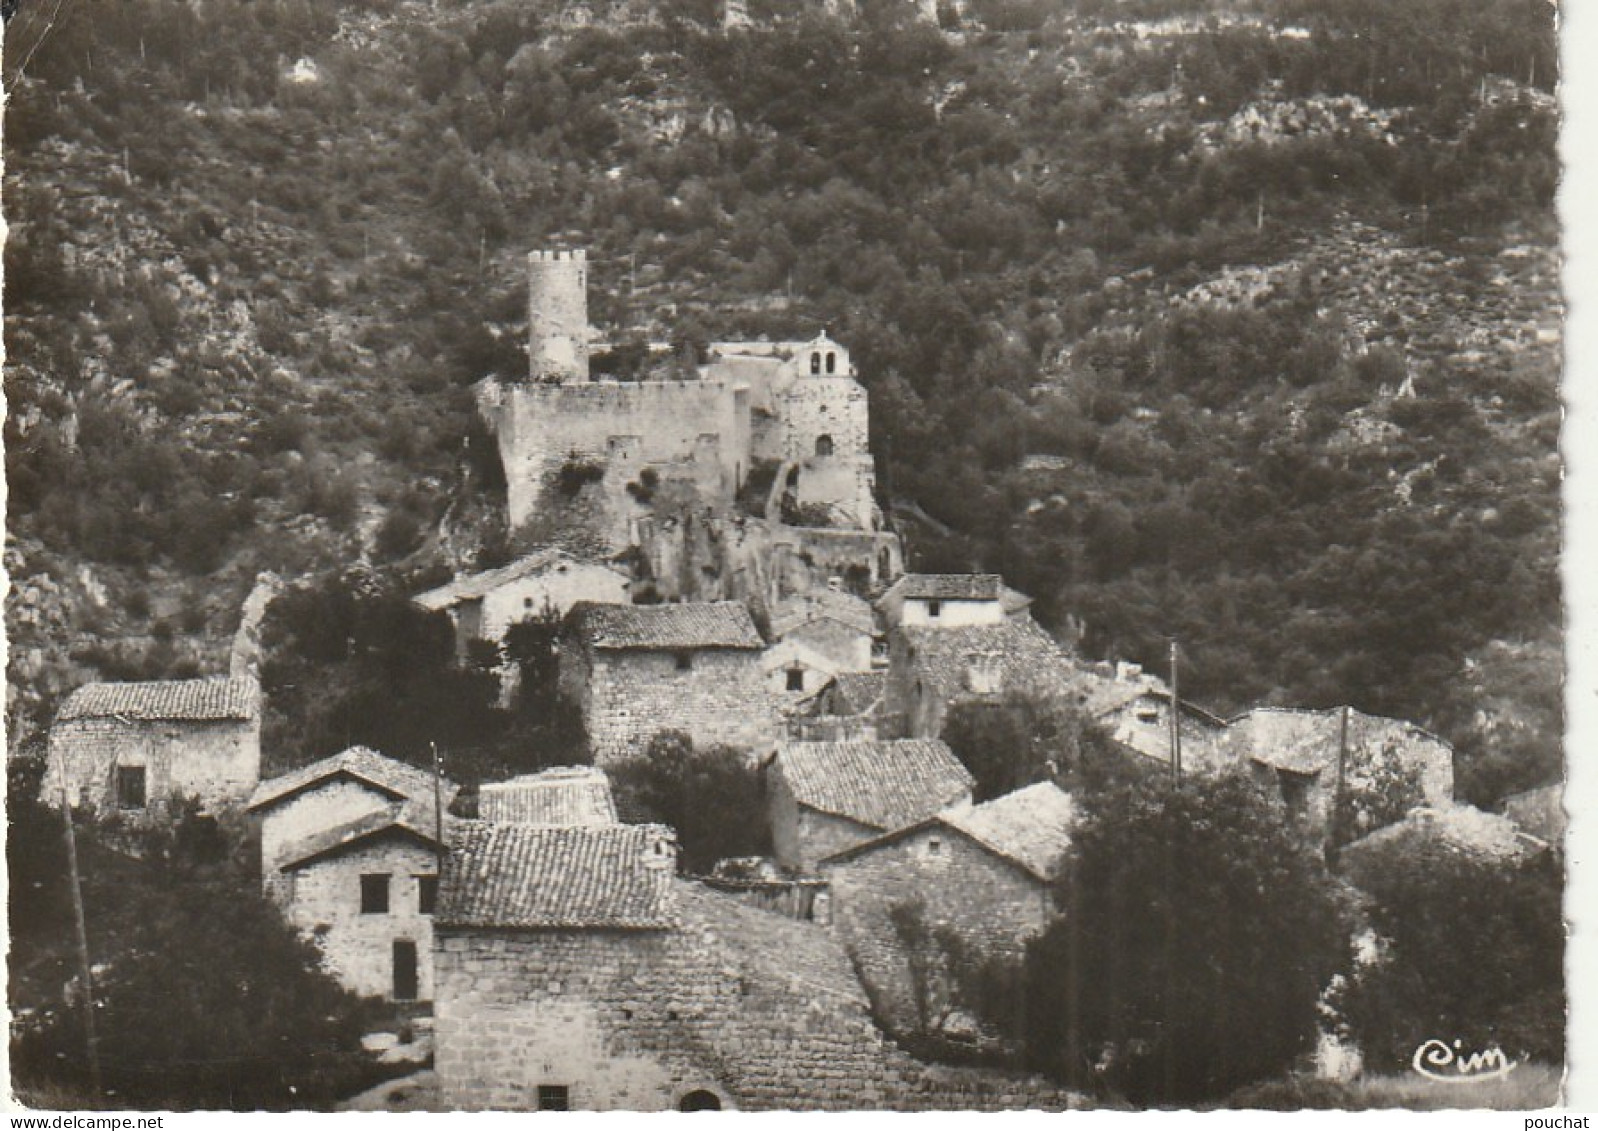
[554,1097]
[934,608]
[130,787]
[374,895]
[1295,793]
[685,661]
[815,363]
[823,445]
[426,894]
[832,362]
[796,679]
[527,602]
[934,847]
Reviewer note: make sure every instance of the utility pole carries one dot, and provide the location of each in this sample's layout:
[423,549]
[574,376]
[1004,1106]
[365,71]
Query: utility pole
[1176,722]
[1342,767]
[438,805]
[85,970]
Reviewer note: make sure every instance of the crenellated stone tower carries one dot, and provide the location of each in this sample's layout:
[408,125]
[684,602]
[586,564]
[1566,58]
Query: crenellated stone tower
[557,316]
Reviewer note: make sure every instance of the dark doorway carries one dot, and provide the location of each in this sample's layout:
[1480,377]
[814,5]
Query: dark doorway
[699,1100]
[823,445]
[404,970]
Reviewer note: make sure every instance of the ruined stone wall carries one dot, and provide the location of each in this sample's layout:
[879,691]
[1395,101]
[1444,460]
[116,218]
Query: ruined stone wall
[992,904]
[720,698]
[333,802]
[219,762]
[358,947]
[650,424]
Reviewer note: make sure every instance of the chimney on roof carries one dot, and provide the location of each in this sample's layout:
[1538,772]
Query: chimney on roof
[1127,672]
[661,854]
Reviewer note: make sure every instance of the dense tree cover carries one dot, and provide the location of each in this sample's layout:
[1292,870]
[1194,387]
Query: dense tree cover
[994,225]
[187,1016]
[1020,741]
[713,797]
[350,660]
[1467,949]
[1196,937]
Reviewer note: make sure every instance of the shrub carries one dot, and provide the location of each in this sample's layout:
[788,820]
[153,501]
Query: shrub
[713,797]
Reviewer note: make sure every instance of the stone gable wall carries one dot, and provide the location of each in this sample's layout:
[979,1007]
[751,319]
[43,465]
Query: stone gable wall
[990,903]
[800,836]
[508,604]
[633,695]
[333,802]
[358,948]
[219,762]
[848,648]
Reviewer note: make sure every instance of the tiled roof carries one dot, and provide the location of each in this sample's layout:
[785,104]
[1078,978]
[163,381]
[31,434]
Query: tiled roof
[1539,812]
[948,587]
[413,821]
[826,604]
[561,797]
[858,692]
[721,624]
[1031,826]
[478,585]
[524,876]
[387,775]
[1028,658]
[186,700]
[1460,828]
[884,785]
[1306,741]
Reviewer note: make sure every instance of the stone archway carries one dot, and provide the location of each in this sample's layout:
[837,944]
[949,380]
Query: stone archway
[700,1099]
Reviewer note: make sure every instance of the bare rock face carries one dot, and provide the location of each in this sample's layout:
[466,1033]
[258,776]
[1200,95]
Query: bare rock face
[244,660]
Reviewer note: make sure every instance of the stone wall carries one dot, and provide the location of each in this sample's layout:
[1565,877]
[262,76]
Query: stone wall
[559,587]
[951,614]
[324,901]
[645,424]
[847,648]
[334,802]
[557,315]
[800,836]
[632,695]
[218,762]
[993,904]
[757,1009]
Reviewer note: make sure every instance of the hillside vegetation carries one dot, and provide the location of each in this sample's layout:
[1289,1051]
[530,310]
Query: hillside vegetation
[1234,323]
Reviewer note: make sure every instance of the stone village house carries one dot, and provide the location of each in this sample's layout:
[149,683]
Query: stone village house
[575,971]
[635,670]
[823,797]
[349,853]
[483,606]
[137,748]
[931,670]
[834,624]
[1295,753]
[983,871]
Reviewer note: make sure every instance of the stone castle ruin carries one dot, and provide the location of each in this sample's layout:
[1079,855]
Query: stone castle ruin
[752,477]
